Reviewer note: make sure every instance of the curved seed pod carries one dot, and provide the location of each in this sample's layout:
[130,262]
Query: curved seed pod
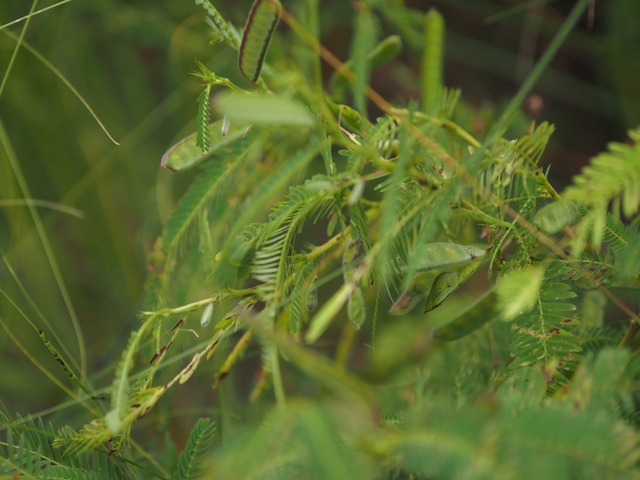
[417,291]
[206,315]
[470,319]
[387,50]
[441,256]
[186,154]
[261,23]
[447,283]
[556,216]
[355,308]
[311,300]
[351,252]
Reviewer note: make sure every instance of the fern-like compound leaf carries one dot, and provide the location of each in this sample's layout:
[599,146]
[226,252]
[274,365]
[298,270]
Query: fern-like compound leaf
[219,24]
[203,138]
[199,195]
[542,335]
[613,174]
[191,459]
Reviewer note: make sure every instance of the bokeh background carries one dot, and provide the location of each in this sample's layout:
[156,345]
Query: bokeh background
[131,60]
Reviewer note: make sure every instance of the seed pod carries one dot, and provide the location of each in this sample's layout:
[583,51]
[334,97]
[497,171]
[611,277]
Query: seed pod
[206,315]
[447,283]
[470,319]
[351,252]
[260,26]
[311,300]
[186,154]
[355,306]
[441,256]
[556,216]
[356,309]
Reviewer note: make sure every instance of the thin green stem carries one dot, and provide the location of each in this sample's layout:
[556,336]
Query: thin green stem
[37,310]
[23,202]
[15,50]
[26,17]
[17,171]
[634,328]
[190,307]
[64,79]
[44,370]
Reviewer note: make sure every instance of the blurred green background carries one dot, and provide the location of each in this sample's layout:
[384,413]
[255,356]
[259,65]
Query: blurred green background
[131,62]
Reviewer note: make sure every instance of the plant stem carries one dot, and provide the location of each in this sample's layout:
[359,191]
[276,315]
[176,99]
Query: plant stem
[217,298]
[634,328]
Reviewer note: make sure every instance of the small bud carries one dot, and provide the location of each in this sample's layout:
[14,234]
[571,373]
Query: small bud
[225,125]
[206,315]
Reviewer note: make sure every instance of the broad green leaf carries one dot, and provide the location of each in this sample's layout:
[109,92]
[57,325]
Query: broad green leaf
[556,216]
[186,154]
[518,291]
[448,282]
[470,319]
[254,109]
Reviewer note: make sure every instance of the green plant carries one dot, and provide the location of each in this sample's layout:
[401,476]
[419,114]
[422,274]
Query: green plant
[309,215]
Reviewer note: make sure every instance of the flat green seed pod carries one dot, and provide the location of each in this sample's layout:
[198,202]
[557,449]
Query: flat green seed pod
[355,308]
[556,216]
[186,154]
[469,320]
[448,282]
[260,26]
[442,256]
[311,299]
